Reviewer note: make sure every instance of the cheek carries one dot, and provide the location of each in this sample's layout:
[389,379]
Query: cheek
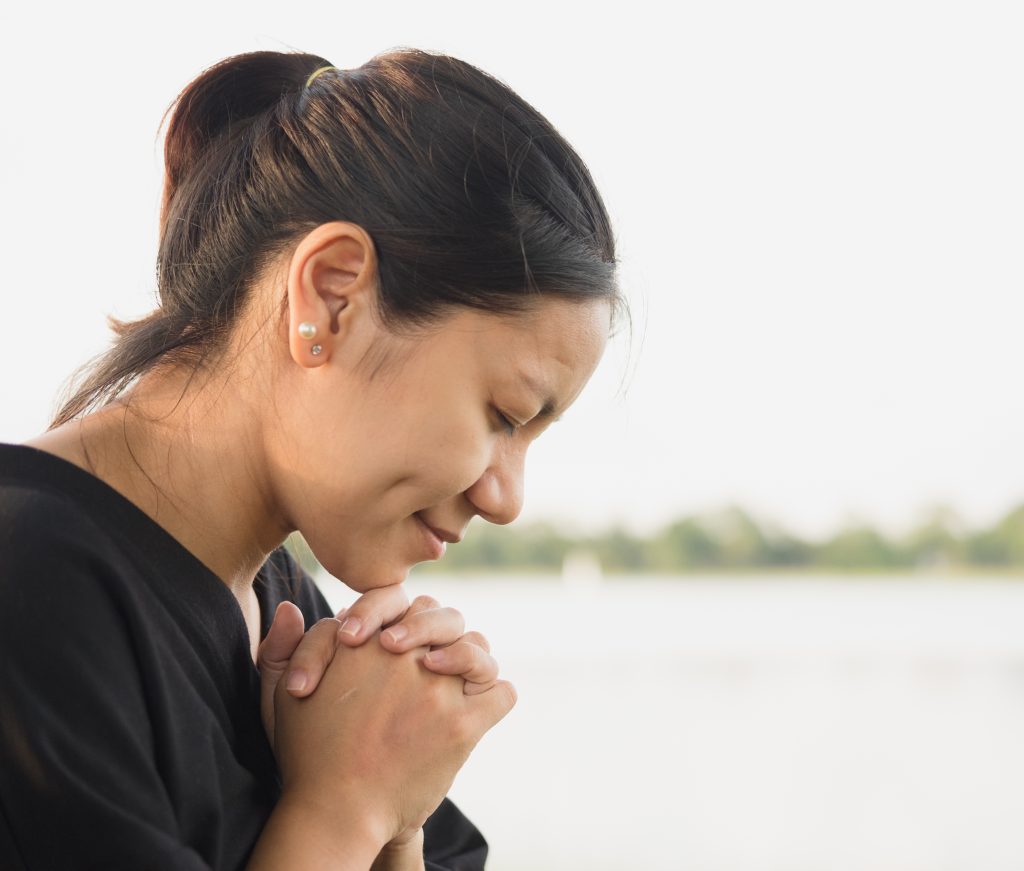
[454,457]
[436,448]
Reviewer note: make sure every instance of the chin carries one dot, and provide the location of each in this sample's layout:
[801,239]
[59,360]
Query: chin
[363,583]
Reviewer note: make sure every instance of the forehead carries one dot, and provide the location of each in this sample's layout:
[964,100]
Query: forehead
[556,345]
[551,326]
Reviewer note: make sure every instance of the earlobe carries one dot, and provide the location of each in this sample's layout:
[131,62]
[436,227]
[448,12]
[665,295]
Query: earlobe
[305,344]
[332,267]
[307,331]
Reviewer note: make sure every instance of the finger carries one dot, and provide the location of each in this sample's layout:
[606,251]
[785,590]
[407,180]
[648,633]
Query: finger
[466,660]
[419,604]
[312,656]
[272,655]
[436,626]
[424,603]
[469,688]
[476,638]
[491,706]
[372,610]
[285,633]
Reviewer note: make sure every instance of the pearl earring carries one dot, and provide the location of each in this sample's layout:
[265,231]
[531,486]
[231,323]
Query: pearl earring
[307,330]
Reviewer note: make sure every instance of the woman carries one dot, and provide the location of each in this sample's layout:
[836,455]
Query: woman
[377,287]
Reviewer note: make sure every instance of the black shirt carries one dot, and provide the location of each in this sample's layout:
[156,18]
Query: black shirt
[130,729]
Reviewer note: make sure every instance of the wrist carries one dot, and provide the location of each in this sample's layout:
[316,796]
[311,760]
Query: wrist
[334,830]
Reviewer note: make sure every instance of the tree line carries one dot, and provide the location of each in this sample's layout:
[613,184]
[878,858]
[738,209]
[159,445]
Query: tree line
[731,539]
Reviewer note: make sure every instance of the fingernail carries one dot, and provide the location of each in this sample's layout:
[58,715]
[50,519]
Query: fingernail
[351,626]
[397,633]
[435,657]
[296,680]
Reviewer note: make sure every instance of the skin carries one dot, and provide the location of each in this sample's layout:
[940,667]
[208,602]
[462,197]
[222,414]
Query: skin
[350,446]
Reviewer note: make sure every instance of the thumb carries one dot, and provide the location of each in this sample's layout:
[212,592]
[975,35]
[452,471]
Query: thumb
[272,657]
[285,633]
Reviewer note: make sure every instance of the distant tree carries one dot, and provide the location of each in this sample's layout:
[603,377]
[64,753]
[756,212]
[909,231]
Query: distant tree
[1001,546]
[618,550]
[782,549]
[739,540]
[858,548]
[685,544]
[726,539]
[937,541]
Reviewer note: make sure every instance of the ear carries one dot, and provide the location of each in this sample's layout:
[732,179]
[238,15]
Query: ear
[331,277]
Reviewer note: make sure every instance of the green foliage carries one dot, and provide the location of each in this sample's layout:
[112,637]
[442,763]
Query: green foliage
[685,544]
[859,548]
[935,543]
[1001,546]
[538,546]
[729,540]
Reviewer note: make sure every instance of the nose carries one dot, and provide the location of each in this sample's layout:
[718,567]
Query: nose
[497,495]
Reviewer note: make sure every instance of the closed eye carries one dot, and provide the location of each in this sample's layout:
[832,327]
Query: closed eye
[508,425]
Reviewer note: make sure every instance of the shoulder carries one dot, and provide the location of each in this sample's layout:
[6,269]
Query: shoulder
[64,582]
[64,619]
[76,735]
[40,527]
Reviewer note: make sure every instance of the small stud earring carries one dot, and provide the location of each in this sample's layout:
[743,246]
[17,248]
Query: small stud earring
[307,330]
[316,349]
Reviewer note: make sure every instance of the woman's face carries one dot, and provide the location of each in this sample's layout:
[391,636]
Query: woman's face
[367,452]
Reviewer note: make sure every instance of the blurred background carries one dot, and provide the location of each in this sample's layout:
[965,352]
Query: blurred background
[763,607]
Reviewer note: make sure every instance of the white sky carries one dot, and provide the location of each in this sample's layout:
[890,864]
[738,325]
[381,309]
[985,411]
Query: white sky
[819,208]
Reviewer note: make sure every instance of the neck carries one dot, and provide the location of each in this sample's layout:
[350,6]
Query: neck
[189,455]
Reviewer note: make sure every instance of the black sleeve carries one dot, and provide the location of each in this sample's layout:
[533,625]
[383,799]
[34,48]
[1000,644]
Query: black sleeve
[450,841]
[79,787]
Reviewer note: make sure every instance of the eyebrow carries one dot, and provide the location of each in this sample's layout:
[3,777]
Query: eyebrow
[548,409]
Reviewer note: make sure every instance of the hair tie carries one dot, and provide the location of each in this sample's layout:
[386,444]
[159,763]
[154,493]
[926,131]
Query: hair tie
[315,73]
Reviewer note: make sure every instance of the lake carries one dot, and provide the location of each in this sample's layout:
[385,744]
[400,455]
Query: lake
[763,722]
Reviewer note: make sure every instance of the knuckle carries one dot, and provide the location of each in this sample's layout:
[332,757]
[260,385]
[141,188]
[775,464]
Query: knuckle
[425,602]
[490,665]
[510,692]
[324,628]
[474,688]
[454,659]
[466,654]
[316,642]
[478,639]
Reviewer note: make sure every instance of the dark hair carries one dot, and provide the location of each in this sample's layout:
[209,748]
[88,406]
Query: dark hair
[470,196]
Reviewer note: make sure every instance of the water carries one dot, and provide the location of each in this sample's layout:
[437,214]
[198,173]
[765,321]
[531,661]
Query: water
[765,723]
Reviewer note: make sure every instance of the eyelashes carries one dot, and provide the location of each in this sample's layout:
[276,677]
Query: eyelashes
[506,424]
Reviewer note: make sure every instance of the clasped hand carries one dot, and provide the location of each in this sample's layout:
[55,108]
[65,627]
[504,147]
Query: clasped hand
[300,658]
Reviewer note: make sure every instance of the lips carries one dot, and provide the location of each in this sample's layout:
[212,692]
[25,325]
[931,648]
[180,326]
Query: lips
[444,535]
[435,544]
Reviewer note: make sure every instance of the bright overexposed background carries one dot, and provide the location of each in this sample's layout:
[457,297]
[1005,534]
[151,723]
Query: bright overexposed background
[818,207]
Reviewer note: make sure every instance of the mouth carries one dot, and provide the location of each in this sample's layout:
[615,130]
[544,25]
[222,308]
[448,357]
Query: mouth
[435,544]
